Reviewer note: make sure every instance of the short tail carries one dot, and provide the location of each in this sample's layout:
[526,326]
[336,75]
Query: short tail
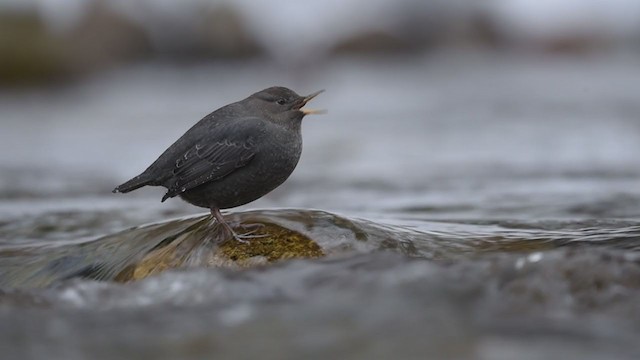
[135,183]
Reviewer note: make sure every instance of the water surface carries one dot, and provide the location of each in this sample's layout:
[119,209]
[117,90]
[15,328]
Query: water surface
[468,206]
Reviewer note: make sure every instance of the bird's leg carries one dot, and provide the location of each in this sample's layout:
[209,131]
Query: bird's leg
[238,237]
[218,216]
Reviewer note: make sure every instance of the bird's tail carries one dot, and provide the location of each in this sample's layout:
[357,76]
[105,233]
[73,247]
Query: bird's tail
[135,183]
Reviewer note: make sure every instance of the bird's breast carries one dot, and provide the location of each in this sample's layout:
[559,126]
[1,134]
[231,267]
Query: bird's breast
[281,152]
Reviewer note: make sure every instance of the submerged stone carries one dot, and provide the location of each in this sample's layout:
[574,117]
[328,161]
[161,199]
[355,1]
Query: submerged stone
[207,245]
[140,252]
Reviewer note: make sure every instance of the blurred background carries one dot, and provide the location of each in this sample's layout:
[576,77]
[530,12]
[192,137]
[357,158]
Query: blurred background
[489,149]
[429,101]
[64,40]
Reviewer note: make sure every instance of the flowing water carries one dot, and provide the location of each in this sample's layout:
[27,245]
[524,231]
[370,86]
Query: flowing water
[464,206]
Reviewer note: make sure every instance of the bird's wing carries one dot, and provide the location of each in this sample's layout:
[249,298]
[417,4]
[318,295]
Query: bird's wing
[229,148]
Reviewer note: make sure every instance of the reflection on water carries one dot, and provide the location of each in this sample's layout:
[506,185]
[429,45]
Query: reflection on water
[481,207]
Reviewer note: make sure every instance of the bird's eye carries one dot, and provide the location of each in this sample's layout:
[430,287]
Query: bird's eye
[281,101]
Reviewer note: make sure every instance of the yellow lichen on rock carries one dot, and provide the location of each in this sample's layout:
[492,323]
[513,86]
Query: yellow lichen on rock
[208,246]
[273,243]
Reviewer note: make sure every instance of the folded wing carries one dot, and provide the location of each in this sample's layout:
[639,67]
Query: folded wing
[214,157]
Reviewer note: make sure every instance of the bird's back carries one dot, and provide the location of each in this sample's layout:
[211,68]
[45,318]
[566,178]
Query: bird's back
[162,168]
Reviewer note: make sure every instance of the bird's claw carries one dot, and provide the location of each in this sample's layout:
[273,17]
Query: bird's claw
[241,238]
[245,237]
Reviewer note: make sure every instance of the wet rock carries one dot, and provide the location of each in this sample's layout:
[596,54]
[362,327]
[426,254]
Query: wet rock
[138,253]
[208,245]
[272,243]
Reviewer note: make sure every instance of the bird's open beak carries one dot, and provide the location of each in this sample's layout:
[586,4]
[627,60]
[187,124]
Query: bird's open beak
[307,99]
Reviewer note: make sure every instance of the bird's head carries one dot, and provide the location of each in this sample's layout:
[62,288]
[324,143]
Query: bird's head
[282,105]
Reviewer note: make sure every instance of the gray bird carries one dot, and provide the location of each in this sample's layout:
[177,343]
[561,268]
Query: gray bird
[233,156]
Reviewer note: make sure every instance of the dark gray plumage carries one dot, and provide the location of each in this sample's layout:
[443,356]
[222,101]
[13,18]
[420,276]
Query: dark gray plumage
[234,155]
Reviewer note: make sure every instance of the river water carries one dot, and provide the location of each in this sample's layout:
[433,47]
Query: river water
[469,206]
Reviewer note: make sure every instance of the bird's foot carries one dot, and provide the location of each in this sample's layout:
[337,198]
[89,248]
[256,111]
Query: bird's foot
[251,234]
[245,236]
[241,238]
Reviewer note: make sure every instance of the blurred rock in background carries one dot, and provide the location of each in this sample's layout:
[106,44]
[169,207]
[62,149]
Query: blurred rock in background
[41,42]
[103,37]
[29,52]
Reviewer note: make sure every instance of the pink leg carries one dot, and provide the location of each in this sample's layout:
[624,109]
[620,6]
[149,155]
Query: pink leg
[240,238]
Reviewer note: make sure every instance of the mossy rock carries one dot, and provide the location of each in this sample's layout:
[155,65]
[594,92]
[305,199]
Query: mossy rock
[274,243]
[209,246]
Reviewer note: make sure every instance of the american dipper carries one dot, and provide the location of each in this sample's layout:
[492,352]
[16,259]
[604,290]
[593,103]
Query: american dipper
[233,156]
